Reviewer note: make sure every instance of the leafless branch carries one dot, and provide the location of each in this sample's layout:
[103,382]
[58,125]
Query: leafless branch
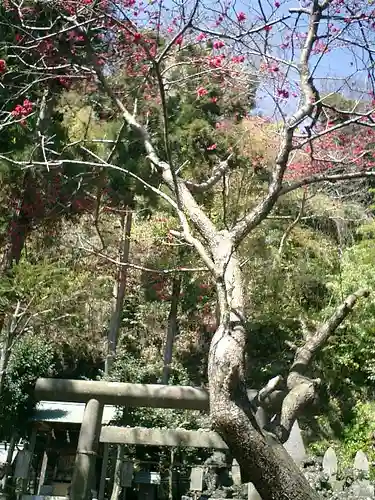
[92,250]
[314,179]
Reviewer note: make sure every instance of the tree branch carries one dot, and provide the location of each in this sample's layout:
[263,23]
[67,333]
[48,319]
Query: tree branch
[316,340]
[314,179]
[218,173]
[200,220]
[260,212]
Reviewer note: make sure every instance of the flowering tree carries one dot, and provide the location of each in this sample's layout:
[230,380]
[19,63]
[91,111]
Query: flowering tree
[169,53]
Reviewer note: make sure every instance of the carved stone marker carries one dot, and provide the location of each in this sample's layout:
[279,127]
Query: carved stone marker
[330,469]
[236,473]
[22,464]
[330,462]
[252,493]
[361,462]
[295,445]
[362,487]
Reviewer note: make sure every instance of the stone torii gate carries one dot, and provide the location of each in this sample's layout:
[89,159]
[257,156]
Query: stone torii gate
[96,394]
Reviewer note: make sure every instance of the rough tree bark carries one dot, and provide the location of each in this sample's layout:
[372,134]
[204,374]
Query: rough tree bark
[9,334]
[260,455]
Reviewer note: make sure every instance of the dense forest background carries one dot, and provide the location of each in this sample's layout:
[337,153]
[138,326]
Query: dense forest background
[95,284]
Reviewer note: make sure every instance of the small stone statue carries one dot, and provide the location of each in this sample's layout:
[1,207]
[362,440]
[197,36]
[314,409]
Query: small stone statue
[216,478]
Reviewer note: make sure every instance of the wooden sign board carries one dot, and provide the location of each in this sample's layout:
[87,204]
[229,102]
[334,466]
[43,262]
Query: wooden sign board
[22,464]
[145,477]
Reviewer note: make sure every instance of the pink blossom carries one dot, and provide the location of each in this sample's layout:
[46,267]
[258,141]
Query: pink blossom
[201,37]
[215,62]
[219,44]
[238,59]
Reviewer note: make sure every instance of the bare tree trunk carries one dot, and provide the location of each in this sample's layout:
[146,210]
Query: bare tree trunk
[262,458]
[119,289]
[171,474]
[9,335]
[114,327]
[171,328]
[5,355]
[19,229]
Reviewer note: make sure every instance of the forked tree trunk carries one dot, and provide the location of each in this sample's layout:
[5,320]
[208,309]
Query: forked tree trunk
[262,458]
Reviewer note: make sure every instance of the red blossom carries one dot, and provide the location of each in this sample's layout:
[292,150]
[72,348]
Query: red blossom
[23,110]
[283,93]
[212,147]
[241,17]
[201,91]
[3,66]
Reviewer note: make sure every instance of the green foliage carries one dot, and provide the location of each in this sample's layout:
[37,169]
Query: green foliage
[351,350]
[31,357]
[357,434]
